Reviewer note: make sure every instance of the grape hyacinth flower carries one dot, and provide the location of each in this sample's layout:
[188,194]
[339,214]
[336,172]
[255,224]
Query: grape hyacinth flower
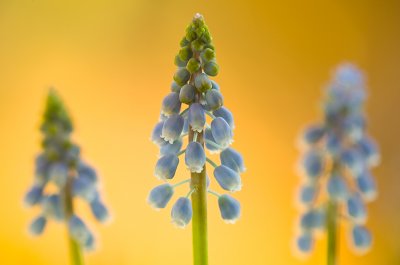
[337,159]
[60,168]
[208,125]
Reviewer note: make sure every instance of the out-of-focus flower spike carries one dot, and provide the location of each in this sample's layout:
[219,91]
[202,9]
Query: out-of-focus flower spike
[197,117]
[232,159]
[171,104]
[166,166]
[160,196]
[181,212]
[227,178]
[195,157]
[172,128]
[229,208]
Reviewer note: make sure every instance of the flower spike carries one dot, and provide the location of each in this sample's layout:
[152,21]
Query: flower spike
[201,100]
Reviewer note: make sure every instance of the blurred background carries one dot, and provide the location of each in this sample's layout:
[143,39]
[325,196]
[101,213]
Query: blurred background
[112,62]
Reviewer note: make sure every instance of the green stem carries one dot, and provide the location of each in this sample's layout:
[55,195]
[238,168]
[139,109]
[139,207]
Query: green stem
[199,205]
[74,247]
[332,233]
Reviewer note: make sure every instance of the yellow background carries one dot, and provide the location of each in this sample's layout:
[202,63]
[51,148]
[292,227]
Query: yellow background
[112,62]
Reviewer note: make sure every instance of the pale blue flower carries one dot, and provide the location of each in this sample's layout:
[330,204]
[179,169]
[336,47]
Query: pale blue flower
[84,188]
[52,207]
[232,159]
[59,174]
[226,115]
[171,149]
[195,158]
[197,117]
[156,134]
[210,143]
[312,219]
[160,196]
[87,172]
[227,178]
[202,82]
[305,242]
[356,209]
[100,212]
[337,188]
[166,166]
[37,226]
[361,238]
[171,104]
[78,229]
[172,128]
[181,212]
[366,186]
[221,132]
[229,208]
[353,160]
[368,149]
[214,99]
[313,134]
[313,163]
[187,94]
[33,196]
[307,194]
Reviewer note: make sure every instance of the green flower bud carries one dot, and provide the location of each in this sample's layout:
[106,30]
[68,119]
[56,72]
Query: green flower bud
[202,82]
[211,68]
[206,38]
[197,45]
[193,65]
[178,62]
[190,34]
[181,76]
[185,53]
[207,55]
[187,94]
[184,42]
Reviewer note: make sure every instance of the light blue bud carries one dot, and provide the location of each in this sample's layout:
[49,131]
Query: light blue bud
[313,219]
[313,164]
[337,188]
[162,117]
[187,94]
[172,128]
[333,144]
[181,76]
[221,132]
[232,159]
[171,104]
[307,194]
[37,226]
[226,115]
[214,99]
[366,186]
[196,117]
[84,188]
[181,212]
[78,230]
[353,161]
[87,172]
[195,157]
[166,166]
[214,85]
[202,82]
[175,87]
[33,196]
[369,151]
[227,178]
[59,174]
[160,196]
[89,243]
[361,238]
[356,209]
[213,147]
[168,149]
[52,207]
[229,208]
[313,134]
[99,211]
[156,134]
[305,243]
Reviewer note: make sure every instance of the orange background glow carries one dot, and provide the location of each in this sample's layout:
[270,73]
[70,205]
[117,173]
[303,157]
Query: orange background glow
[112,63]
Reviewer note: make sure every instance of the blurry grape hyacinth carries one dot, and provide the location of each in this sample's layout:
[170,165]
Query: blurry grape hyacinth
[337,158]
[192,87]
[60,177]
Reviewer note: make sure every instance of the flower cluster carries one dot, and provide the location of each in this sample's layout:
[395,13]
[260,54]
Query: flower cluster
[61,176]
[336,163]
[193,87]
